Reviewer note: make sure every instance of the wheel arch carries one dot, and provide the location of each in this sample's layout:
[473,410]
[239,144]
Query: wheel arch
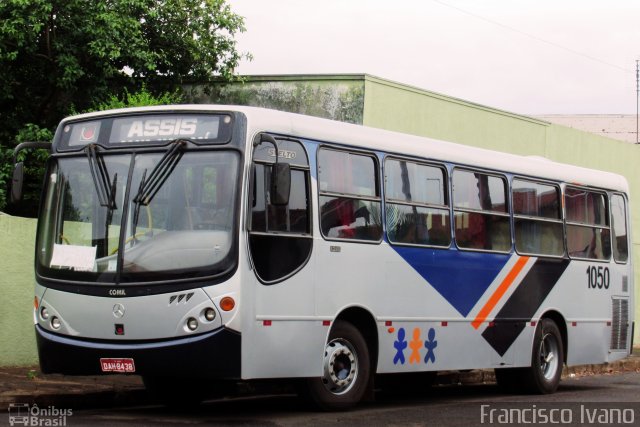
[562,326]
[364,321]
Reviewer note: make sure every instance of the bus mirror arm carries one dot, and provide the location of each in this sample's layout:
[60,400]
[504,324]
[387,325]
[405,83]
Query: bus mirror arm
[17,179]
[280,187]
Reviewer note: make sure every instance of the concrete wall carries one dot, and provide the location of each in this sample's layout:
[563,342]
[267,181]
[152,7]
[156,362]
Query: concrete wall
[339,97]
[17,338]
[401,108]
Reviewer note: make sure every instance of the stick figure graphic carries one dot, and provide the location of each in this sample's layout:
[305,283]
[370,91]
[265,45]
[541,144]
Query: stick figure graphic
[430,345]
[399,345]
[416,345]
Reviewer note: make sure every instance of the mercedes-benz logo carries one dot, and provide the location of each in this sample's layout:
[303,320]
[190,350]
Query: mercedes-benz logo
[118,310]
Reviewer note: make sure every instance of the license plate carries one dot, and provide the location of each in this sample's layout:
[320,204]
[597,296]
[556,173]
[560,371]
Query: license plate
[122,365]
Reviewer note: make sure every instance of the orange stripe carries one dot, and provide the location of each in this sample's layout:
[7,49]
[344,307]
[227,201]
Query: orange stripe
[493,300]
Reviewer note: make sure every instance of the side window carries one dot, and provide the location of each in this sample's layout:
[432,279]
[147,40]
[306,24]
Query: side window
[349,195]
[416,203]
[537,218]
[292,218]
[588,234]
[619,228]
[279,236]
[481,214]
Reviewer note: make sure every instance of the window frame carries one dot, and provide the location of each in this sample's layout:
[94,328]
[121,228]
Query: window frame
[252,192]
[446,207]
[377,190]
[626,226]
[305,168]
[251,189]
[560,220]
[569,223]
[506,214]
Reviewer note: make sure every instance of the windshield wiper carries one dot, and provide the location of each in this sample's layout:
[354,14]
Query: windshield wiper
[149,187]
[105,189]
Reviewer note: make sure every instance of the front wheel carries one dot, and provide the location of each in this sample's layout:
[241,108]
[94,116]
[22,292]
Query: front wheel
[346,370]
[547,359]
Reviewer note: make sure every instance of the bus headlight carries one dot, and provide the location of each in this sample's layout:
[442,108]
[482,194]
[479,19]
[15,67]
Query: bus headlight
[192,324]
[44,313]
[55,322]
[209,314]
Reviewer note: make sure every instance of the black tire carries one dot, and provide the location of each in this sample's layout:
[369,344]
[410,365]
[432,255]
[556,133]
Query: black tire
[346,370]
[547,359]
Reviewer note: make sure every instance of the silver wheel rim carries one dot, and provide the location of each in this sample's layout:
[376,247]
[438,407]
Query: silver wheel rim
[548,354]
[340,366]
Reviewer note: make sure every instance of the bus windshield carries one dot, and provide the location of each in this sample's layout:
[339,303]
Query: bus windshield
[138,217]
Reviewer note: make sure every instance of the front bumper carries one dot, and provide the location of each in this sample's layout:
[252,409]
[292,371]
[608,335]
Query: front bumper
[214,354]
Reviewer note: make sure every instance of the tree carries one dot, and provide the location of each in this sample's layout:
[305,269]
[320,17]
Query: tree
[58,56]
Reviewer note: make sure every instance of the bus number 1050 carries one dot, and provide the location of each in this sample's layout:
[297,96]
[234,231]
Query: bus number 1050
[598,277]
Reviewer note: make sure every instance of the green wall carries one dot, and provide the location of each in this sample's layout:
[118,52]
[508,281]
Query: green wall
[17,337]
[397,107]
[405,109]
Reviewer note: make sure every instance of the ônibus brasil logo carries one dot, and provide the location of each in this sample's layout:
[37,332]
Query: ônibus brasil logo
[23,414]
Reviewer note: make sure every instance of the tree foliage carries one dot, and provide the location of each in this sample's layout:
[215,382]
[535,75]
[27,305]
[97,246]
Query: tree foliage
[58,56]
[142,98]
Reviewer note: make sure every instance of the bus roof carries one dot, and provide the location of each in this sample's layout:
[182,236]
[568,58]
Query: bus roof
[363,137]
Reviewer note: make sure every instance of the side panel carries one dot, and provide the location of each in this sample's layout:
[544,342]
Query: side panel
[589,311]
[435,309]
[282,337]
[433,334]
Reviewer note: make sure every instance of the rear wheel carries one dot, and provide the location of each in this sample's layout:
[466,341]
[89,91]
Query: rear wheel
[346,370]
[547,359]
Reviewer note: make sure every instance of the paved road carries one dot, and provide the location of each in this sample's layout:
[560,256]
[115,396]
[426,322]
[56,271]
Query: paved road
[579,400]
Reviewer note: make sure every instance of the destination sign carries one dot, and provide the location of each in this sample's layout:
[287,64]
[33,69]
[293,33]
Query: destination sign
[164,128]
[153,129]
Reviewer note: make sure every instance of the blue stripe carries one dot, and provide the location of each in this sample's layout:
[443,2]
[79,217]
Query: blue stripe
[461,277]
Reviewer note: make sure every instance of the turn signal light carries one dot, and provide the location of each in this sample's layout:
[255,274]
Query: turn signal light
[227,303]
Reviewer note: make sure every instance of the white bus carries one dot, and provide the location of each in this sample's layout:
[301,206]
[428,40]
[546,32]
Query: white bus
[199,244]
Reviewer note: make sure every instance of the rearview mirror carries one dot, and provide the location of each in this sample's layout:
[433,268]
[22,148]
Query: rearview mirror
[280,184]
[17,182]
